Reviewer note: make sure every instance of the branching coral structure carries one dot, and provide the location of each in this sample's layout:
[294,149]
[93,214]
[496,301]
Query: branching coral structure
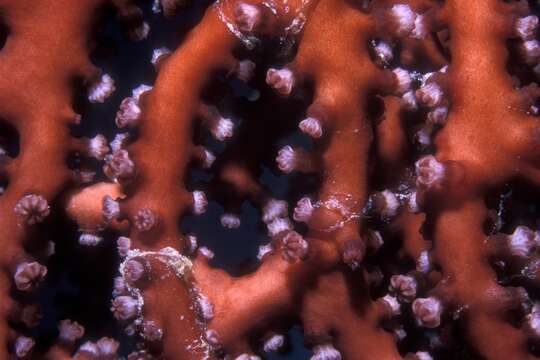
[389,150]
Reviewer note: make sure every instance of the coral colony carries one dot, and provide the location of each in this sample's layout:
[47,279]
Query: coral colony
[404,137]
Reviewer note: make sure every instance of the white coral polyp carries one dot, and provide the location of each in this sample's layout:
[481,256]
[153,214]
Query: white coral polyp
[408,101]
[438,115]
[139,90]
[427,311]
[281,80]
[156,6]
[230,221]
[119,142]
[158,53]
[392,303]
[100,91]
[111,208]
[430,94]
[223,130]
[312,127]
[423,355]
[303,210]
[403,79]
[274,209]
[423,136]
[286,159]
[206,252]
[209,159]
[413,203]
[206,308]
[404,17]
[274,343]
[532,322]
[264,250]
[375,240]
[532,50]
[423,263]
[245,70]
[429,171]
[199,202]
[325,352]
[129,113]
[278,226]
[521,242]
[420,30]
[97,147]
[141,32]
[391,204]
[526,27]
[247,16]
[89,348]
[212,337]
[248,357]
[384,52]
[192,243]
[89,239]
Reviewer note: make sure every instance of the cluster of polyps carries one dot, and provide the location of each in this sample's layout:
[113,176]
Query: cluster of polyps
[29,200]
[128,301]
[329,245]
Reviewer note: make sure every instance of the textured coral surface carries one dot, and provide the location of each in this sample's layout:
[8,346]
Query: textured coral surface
[269,179]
